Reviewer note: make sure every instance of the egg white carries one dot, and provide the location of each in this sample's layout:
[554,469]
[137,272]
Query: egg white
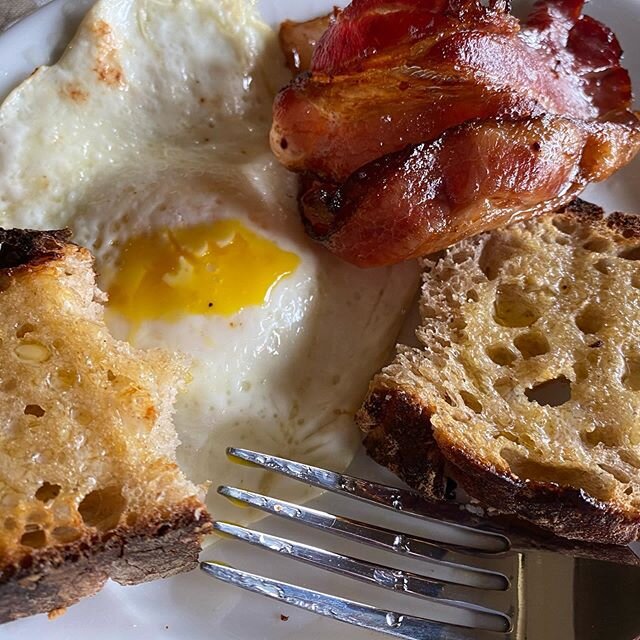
[157,116]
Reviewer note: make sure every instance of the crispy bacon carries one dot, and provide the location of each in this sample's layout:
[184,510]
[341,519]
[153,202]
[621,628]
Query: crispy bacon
[463,61]
[473,178]
[368,28]
[389,76]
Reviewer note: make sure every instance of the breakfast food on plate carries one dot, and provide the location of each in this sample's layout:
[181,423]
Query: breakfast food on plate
[525,387]
[89,485]
[421,123]
[149,139]
[472,178]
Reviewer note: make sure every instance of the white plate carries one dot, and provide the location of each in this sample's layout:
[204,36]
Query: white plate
[193,606]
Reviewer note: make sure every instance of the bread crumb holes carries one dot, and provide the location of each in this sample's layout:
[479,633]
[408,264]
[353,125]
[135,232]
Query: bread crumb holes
[102,508]
[591,319]
[531,344]
[630,254]
[631,377]
[550,393]
[598,244]
[36,539]
[34,410]
[566,225]
[24,329]
[471,401]
[512,308]
[501,355]
[604,266]
[48,492]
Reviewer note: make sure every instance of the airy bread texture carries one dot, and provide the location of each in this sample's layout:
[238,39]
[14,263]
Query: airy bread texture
[526,389]
[89,486]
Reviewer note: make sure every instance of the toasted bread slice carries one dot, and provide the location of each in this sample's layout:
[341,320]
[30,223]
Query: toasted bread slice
[89,486]
[526,387]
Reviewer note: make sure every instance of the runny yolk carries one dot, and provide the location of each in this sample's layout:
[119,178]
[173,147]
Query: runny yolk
[216,268]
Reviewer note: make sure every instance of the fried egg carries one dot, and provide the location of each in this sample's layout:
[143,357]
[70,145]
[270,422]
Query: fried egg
[149,139]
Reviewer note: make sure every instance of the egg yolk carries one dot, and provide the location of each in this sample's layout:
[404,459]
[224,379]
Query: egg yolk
[216,268]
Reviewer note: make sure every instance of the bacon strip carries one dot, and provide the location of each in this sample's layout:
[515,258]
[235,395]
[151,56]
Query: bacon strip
[368,28]
[391,83]
[472,179]
[382,79]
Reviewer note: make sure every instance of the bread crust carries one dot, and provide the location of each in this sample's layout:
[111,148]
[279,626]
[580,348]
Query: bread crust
[27,247]
[398,435]
[627,226]
[569,512]
[56,577]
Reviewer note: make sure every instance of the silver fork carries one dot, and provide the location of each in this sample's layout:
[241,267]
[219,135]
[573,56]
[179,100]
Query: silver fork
[471,601]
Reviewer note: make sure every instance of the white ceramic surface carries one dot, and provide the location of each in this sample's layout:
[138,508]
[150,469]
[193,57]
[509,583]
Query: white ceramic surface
[193,606]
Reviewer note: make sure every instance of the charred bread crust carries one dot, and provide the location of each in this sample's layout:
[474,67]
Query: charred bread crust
[56,577]
[623,224]
[27,247]
[399,436]
[568,512]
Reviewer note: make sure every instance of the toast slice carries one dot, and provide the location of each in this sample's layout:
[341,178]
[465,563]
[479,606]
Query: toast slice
[89,486]
[525,389]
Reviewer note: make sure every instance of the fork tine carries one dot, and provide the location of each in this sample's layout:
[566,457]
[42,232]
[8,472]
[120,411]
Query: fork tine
[375,536]
[355,613]
[403,500]
[475,616]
